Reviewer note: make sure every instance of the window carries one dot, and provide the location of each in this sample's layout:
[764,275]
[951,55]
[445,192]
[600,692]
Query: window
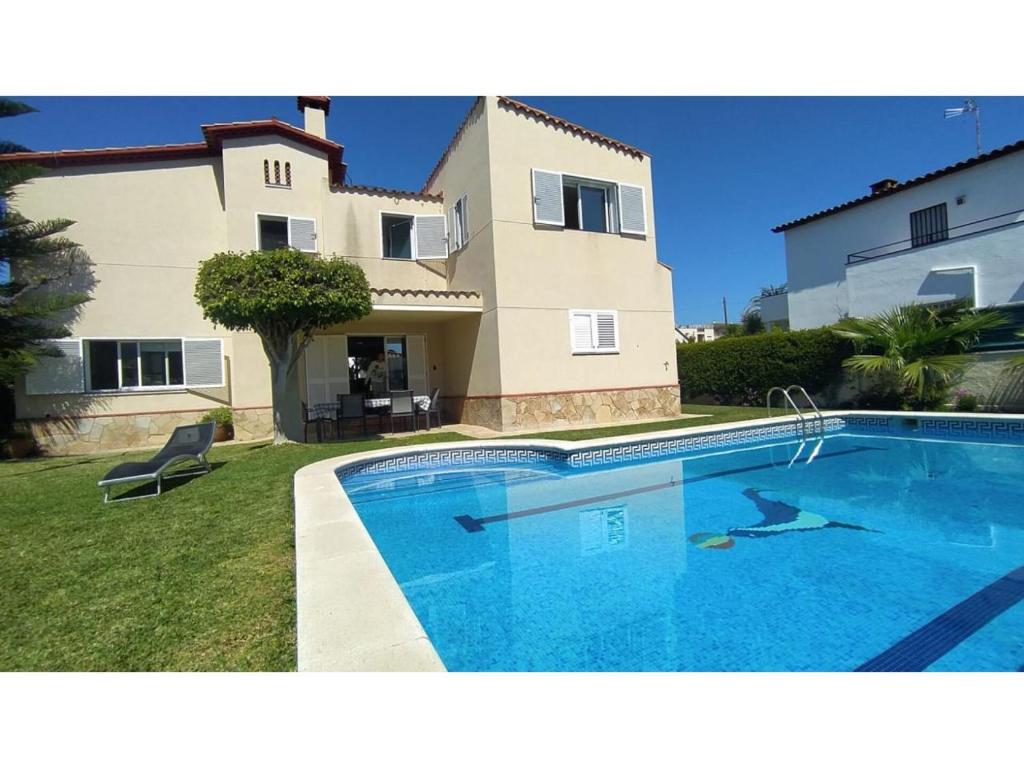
[929,225]
[397,233]
[588,205]
[286,232]
[458,225]
[594,331]
[407,237]
[273,233]
[116,365]
[276,180]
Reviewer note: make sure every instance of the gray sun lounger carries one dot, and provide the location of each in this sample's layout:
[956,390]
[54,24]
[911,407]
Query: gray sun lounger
[189,443]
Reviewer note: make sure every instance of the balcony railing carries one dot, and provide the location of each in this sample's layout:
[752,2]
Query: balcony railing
[953,233]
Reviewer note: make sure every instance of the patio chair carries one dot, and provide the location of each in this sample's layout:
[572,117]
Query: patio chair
[402,405]
[310,416]
[433,408]
[189,443]
[351,408]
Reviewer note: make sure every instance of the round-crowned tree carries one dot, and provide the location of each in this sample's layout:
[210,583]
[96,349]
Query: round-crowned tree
[283,296]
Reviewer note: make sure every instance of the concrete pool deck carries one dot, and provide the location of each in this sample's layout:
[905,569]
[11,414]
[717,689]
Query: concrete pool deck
[351,613]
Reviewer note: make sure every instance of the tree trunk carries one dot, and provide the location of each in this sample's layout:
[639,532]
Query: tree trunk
[283,350]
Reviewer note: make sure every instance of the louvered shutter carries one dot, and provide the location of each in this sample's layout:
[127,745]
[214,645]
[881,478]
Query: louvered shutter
[463,221]
[607,332]
[58,375]
[302,234]
[547,198]
[632,210]
[204,362]
[453,244]
[431,242]
[582,331]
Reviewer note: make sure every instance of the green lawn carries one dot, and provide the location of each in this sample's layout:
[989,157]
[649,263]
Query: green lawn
[201,578]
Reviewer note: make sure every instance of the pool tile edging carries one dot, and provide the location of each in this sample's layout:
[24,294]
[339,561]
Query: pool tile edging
[371,626]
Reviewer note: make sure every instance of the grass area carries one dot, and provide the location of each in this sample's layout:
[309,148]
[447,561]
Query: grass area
[708,415]
[200,578]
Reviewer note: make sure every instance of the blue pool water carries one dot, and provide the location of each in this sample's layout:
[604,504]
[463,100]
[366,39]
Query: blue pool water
[881,552]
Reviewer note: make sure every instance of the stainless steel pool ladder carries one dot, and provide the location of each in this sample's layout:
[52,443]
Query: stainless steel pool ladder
[817,421]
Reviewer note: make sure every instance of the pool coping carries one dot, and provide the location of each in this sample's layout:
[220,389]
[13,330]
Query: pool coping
[369,625]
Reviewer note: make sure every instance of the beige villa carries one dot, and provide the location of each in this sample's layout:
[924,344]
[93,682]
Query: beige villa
[522,280]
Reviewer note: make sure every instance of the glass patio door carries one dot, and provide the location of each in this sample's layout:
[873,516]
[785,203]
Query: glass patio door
[397,362]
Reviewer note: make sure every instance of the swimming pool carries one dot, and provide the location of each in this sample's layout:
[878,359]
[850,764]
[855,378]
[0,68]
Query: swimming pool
[889,543]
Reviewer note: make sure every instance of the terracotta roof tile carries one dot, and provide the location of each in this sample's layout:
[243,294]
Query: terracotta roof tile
[579,130]
[899,187]
[385,192]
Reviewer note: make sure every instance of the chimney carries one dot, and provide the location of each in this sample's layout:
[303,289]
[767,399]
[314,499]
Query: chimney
[878,187]
[314,111]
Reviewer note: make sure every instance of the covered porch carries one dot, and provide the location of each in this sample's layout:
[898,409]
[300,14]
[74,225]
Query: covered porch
[405,343]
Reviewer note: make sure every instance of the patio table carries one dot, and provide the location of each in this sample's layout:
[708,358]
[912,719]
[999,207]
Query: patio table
[330,410]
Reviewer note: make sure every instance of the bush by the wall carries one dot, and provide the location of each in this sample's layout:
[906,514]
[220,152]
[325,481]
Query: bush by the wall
[740,370]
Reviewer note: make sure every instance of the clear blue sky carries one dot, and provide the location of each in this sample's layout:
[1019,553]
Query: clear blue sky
[725,169]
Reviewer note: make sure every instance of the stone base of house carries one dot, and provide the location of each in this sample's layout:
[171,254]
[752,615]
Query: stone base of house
[88,434]
[522,412]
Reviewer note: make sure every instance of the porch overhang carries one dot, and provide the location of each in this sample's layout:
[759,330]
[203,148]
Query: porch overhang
[421,305]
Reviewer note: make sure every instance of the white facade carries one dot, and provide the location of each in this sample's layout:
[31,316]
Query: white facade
[686,334]
[775,311]
[861,260]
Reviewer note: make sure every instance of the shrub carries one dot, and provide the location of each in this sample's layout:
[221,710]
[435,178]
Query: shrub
[221,416]
[740,370]
[965,401]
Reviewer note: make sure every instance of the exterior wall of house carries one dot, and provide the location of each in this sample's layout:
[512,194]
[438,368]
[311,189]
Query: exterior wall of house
[821,285]
[508,365]
[775,311]
[128,219]
[540,273]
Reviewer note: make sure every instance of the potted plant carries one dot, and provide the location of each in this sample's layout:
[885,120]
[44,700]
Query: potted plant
[223,418]
[20,444]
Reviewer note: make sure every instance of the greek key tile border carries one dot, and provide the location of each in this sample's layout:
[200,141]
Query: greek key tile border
[448,457]
[586,457]
[974,429]
[656,447]
[869,423]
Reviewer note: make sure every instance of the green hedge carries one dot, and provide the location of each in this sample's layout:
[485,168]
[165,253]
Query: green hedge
[739,370]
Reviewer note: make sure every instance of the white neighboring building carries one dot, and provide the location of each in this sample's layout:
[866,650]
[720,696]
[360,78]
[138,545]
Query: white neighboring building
[698,333]
[954,233]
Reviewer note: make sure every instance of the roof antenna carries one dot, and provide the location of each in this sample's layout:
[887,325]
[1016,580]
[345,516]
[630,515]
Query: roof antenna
[969,106]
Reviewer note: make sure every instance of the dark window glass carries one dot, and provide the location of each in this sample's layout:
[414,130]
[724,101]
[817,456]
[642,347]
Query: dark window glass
[175,367]
[273,234]
[154,364]
[570,202]
[592,205]
[397,232]
[129,364]
[102,365]
[929,225]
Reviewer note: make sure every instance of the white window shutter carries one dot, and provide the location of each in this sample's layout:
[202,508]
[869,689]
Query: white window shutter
[302,234]
[464,222]
[416,364]
[632,210]
[547,198]
[453,244]
[582,332]
[431,240]
[607,336]
[204,362]
[58,375]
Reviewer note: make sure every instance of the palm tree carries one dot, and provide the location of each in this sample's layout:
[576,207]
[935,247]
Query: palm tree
[916,348]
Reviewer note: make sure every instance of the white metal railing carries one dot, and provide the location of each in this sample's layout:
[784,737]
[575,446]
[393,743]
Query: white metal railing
[818,421]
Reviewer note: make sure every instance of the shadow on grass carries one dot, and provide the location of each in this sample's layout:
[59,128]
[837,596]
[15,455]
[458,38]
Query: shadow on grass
[50,464]
[169,483]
